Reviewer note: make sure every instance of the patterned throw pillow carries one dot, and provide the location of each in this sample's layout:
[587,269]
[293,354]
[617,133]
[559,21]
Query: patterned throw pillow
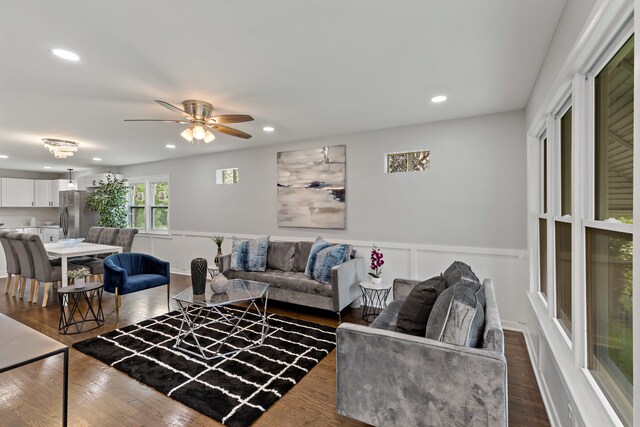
[318,245]
[326,259]
[257,254]
[239,254]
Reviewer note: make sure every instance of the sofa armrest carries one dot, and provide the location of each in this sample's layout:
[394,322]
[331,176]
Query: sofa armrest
[114,277]
[161,267]
[345,278]
[225,263]
[402,287]
[393,379]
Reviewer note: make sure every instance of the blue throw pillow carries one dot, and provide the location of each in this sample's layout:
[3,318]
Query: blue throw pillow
[239,254]
[257,254]
[326,259]
[318,245]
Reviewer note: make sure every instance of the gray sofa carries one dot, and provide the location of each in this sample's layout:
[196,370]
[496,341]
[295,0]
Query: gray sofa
[293,286]
[386,378]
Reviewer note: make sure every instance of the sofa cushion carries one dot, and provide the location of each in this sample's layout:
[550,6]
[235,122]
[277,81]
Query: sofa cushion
[289,280]
[257,254]
[280,255]
[415,311]
[301,256]
[460,273]
[239,250]
[326,259]
[457,317]
[388,318]
[317,246]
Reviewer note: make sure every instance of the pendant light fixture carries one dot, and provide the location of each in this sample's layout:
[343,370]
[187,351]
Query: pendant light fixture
[70,183]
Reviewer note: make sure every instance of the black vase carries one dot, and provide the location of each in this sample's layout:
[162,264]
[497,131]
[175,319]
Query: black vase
[198,275]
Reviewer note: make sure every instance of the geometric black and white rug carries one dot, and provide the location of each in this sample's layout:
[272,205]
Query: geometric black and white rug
[234,390]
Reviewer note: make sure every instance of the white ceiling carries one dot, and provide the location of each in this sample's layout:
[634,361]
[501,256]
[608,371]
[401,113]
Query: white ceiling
[310,69]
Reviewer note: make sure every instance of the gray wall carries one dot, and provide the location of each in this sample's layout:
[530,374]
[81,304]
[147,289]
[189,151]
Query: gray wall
[573,18]
[473,195]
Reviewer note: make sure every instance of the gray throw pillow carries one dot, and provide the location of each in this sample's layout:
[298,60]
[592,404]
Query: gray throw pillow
[301,256]
[457,318]
[459,272]
[280,255]
[416,308]
[257,254]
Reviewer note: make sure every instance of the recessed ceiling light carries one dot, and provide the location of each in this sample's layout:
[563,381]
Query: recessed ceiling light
[170,146]
[97,159]
[4,156]
[439,98]
[65,54]
[47,167]
[268,129]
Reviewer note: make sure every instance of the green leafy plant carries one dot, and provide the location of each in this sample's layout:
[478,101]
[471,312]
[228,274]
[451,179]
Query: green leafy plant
[79,273]
[218,241]
[110,200]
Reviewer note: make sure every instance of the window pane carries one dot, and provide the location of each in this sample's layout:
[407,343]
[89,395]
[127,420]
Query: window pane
[137,195]
[543,256]
[609,315]
[160,218]
[544,175]
[563,274]
[565,163]
[138,217]
[160,192]
[614,137]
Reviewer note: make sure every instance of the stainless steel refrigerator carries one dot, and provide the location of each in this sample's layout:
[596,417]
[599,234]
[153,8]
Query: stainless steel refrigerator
[76,217]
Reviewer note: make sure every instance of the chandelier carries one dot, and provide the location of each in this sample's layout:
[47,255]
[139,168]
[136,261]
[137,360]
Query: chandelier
[60,148]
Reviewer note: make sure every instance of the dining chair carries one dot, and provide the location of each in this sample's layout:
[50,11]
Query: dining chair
[44,270]
[93,235]
[13,263]
[26,263]
[124,239]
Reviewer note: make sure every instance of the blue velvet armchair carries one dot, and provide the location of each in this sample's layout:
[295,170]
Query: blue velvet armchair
[132,272]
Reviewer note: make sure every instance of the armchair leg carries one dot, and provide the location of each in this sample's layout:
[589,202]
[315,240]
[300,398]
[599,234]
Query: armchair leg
[118,302]
[339,317]
[168,297]
[45,297]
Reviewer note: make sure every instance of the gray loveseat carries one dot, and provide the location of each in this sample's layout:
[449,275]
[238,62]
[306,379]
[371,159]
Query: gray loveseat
[387,378]
[286,262]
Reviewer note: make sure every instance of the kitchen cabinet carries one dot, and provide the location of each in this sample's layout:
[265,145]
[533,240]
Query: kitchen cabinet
[46,192]
[51,235]
[92,181]
[17,192]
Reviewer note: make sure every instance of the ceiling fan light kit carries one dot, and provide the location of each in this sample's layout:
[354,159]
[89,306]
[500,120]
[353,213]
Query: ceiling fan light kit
[60,148]
[199,116]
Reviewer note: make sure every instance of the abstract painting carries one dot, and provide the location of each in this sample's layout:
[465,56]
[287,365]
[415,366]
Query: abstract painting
[311,187]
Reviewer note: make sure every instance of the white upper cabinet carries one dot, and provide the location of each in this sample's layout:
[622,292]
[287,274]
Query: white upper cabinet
[17,192]
[42,193]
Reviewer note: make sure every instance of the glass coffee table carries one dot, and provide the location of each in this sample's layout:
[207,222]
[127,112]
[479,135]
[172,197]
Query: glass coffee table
[197,309]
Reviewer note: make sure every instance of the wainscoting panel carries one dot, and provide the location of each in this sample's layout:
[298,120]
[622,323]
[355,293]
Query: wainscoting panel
[507,268]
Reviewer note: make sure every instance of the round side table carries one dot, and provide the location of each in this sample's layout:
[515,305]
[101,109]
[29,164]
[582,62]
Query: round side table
[80,306]
[374,299]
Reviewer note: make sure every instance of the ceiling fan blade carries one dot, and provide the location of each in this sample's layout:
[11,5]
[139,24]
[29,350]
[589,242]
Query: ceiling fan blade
[156,120]
[173,108]
[229,131]
[230,118]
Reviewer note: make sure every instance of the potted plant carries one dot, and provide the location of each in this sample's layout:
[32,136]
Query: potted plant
[72,275]
[110,200]
[218,241]
[376,265]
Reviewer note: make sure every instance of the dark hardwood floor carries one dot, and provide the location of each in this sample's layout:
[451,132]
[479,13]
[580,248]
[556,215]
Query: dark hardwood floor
[102,396]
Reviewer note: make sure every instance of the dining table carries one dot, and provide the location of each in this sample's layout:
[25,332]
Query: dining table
[66,251]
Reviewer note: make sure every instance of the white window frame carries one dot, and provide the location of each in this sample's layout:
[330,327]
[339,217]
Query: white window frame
[541,211]
[148,181]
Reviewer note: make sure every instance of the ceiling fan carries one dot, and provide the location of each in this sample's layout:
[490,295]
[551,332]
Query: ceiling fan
[199,116]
